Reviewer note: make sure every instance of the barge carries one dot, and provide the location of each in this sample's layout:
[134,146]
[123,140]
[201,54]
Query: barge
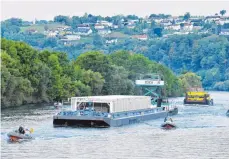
[110,111]
[198,97]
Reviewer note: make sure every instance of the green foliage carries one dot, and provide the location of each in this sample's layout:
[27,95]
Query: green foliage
[14,90]
[190,80]
[222,86]
[29,76]
[222,12]
[97,40]
[138,65]
[187,16]
[158,31]
[94,80]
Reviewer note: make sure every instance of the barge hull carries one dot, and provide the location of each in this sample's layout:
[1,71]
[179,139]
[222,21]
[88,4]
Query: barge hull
[79,123]
[105,122]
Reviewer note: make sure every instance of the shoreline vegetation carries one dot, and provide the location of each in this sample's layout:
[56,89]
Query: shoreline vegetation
[32,76]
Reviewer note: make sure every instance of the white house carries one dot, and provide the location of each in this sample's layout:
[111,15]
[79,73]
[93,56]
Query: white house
[83,31]
[99,26]
[173,27]
[197,26]
[224,32]
[145,30]
[111,41]
[166,22]
[222,21]
[105,23]
[72,37]
[186,26]
[83,26]
[115,26]
[51,34]
[131,26]
[69,40]
[212,18]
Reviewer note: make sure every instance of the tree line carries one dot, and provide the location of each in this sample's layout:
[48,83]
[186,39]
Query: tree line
[32,76]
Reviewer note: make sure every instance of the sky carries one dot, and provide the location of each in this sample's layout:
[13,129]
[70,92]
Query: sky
[48,9]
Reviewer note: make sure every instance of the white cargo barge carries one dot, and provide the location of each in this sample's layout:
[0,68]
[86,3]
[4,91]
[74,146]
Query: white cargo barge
[106,111]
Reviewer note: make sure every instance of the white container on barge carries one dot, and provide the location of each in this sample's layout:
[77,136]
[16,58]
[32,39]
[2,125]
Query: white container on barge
[106,111]
[116,103]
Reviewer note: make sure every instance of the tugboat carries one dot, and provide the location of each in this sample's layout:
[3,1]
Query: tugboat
[198,97]
[173,111]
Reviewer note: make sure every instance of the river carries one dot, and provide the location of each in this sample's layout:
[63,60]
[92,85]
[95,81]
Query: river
[203,132]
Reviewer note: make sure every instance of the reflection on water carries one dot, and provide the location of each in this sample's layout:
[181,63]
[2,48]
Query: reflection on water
[203,133]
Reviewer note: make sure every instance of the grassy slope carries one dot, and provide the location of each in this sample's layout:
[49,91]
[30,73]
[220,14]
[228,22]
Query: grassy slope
[40,27]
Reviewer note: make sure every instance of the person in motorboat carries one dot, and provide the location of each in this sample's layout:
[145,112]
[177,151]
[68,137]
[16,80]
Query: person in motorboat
[227,113]
[166,119]
[21,130]
[168,123]
[20,133]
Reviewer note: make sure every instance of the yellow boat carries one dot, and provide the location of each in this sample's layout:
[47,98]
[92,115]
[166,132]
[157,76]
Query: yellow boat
[198,98]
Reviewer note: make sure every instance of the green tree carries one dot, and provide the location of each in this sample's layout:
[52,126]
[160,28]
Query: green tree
[222,12]
[190,80]
[187,16]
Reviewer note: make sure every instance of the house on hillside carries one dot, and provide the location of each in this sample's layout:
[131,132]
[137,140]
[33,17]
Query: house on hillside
[166,22]
[99,26]
[140,37]
[156,19]
[52,33]
[83,31]
[223,20]
[67,31]
[199,21]
[172,27]
[69,40]
[224,32]
[105,23]
[72,37]
[62,28]
[197,26]
[186,26]
[83,26]
[130,26]
[133,21]
[212,18]
[145,31]
[115,26]
[179,21]
[111,41]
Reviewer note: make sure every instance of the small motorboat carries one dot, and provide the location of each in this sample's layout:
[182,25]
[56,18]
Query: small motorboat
[16,135]
[227,113]
[168,125]
[58,104]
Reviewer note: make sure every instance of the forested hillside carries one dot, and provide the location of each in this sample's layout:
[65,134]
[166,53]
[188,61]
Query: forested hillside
[204,51]
[31,76]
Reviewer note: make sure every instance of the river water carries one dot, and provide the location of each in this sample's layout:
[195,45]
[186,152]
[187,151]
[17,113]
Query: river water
[203,132]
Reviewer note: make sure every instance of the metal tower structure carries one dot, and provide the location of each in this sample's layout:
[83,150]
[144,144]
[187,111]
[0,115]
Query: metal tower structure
[151,85]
